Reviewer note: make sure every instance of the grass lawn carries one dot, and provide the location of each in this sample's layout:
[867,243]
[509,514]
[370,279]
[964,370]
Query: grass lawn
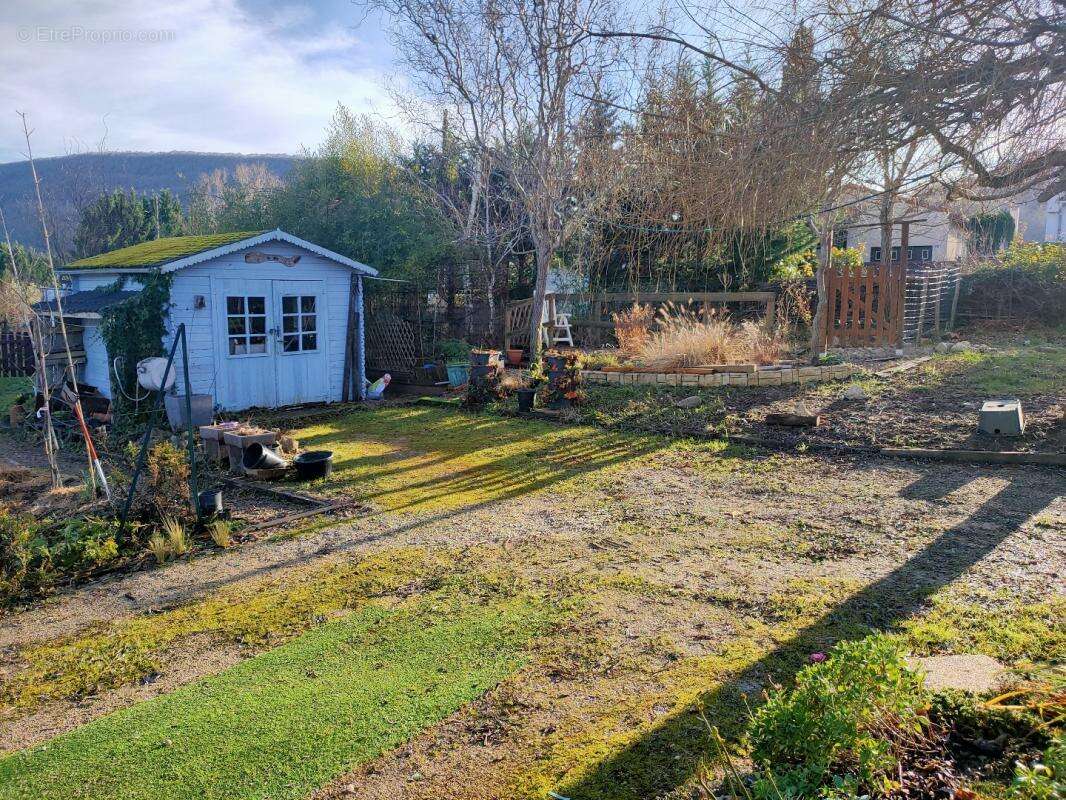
[285,722]
[10,388]
[419,458]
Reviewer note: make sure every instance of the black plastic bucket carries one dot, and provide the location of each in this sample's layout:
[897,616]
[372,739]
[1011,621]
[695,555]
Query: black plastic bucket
[525,399]
[313,465]
[210,501]
[257,456]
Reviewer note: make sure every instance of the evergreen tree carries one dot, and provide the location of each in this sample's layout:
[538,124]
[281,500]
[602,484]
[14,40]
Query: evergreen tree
[121,219]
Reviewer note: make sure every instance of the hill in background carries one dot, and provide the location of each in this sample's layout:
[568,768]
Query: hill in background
[69,183]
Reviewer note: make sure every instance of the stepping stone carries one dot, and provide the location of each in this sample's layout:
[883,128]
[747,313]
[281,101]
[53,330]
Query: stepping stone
[971,673]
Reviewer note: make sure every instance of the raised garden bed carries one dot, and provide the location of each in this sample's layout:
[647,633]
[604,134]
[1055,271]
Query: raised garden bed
[723,375]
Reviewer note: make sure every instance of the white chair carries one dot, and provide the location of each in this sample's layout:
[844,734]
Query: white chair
[554,328]
[561,330]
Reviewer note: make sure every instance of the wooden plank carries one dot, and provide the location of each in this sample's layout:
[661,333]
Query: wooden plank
[978,456]
[868,307]
[904,367]
[794,420]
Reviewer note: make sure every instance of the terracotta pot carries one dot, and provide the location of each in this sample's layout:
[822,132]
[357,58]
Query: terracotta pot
[514,356]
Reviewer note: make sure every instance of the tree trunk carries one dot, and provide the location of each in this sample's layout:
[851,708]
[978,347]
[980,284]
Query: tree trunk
[544,257]
[818,324]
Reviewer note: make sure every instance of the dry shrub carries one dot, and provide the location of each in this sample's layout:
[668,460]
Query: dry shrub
[633,327]
[685,341]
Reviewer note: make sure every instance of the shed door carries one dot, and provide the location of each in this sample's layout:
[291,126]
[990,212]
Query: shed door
[246,349]
[299,330]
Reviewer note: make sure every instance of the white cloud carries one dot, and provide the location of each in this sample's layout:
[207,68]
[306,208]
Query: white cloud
[205,75]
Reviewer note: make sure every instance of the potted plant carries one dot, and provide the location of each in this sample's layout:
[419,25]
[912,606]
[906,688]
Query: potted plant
[455,354]
[563,387]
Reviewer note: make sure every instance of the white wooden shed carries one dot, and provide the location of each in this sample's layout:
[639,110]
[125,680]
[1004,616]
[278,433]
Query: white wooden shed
[266,314]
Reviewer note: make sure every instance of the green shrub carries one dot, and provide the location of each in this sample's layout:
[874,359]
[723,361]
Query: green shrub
[454,351]
[844,728]
[33,560]
[1027,281]
[24,559]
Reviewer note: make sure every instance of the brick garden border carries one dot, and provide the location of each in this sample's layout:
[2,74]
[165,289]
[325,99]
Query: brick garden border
[763,376]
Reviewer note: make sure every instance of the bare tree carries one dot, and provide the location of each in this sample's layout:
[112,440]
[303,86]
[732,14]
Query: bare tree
[515,74]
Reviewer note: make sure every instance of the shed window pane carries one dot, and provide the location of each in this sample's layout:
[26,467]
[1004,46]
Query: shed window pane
[258,324]
[307,304]
[288,305]
[291,343]
[310,341]
[256,305]
[288,324]
[257,344]
[307,322]
[236,325]
[238,346]
[234,305]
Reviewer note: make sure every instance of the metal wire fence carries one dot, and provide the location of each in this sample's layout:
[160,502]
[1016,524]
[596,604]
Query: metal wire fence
[930,299]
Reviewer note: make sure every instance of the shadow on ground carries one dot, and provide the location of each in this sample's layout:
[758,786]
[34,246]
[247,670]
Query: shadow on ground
[669,755]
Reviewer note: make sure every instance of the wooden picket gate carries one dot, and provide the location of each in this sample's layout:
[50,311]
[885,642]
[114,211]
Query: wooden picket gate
[865,305]
[16,354]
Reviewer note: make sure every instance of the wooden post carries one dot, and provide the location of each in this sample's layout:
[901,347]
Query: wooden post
[936,310]
[955,301]
[904,263]
[822,318]
[349,342]
[506,328]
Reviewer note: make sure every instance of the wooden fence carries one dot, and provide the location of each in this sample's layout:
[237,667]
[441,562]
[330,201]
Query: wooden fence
[16,354]
[590,314]
[865,305]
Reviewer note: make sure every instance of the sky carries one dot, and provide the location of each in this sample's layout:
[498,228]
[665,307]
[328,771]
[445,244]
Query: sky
[244,76]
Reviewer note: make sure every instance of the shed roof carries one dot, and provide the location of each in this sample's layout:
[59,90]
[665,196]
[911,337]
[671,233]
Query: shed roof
[92,301]
[159,251]
[176,252]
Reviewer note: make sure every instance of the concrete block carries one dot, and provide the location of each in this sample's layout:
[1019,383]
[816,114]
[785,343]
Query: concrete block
[737,378]
[1002,418]
[690,380]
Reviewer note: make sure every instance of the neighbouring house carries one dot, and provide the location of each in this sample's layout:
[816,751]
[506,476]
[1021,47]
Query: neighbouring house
[941,235]
[266,314]
[1041,220]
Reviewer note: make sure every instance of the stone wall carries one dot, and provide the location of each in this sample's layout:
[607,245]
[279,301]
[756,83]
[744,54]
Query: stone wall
[763,376]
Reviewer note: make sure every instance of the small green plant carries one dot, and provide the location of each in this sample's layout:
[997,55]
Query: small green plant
[1044,779]
[599,359]
[847,728]
[157,544]
[454,351]
[176,538]
[221,532]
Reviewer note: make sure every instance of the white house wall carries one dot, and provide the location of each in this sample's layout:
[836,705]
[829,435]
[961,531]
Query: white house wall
[947,241]
[96,371]
[194,281]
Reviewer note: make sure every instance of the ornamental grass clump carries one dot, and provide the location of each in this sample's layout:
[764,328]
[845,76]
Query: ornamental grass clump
[632,327]
[856,724]
[685,339]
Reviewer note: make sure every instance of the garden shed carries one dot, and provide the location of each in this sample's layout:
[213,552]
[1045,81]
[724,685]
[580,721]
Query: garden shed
[271,320]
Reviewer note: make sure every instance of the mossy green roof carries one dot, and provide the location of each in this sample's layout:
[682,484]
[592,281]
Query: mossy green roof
[159,251]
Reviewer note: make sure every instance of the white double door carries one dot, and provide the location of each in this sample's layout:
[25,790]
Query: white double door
[272,342]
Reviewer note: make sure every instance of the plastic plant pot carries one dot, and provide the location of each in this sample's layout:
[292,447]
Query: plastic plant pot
[458,374]
[210,501]
[259,456]
[314,465]
[525,399]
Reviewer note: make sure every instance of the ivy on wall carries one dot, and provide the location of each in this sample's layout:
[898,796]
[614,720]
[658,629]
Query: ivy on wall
[133,331]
